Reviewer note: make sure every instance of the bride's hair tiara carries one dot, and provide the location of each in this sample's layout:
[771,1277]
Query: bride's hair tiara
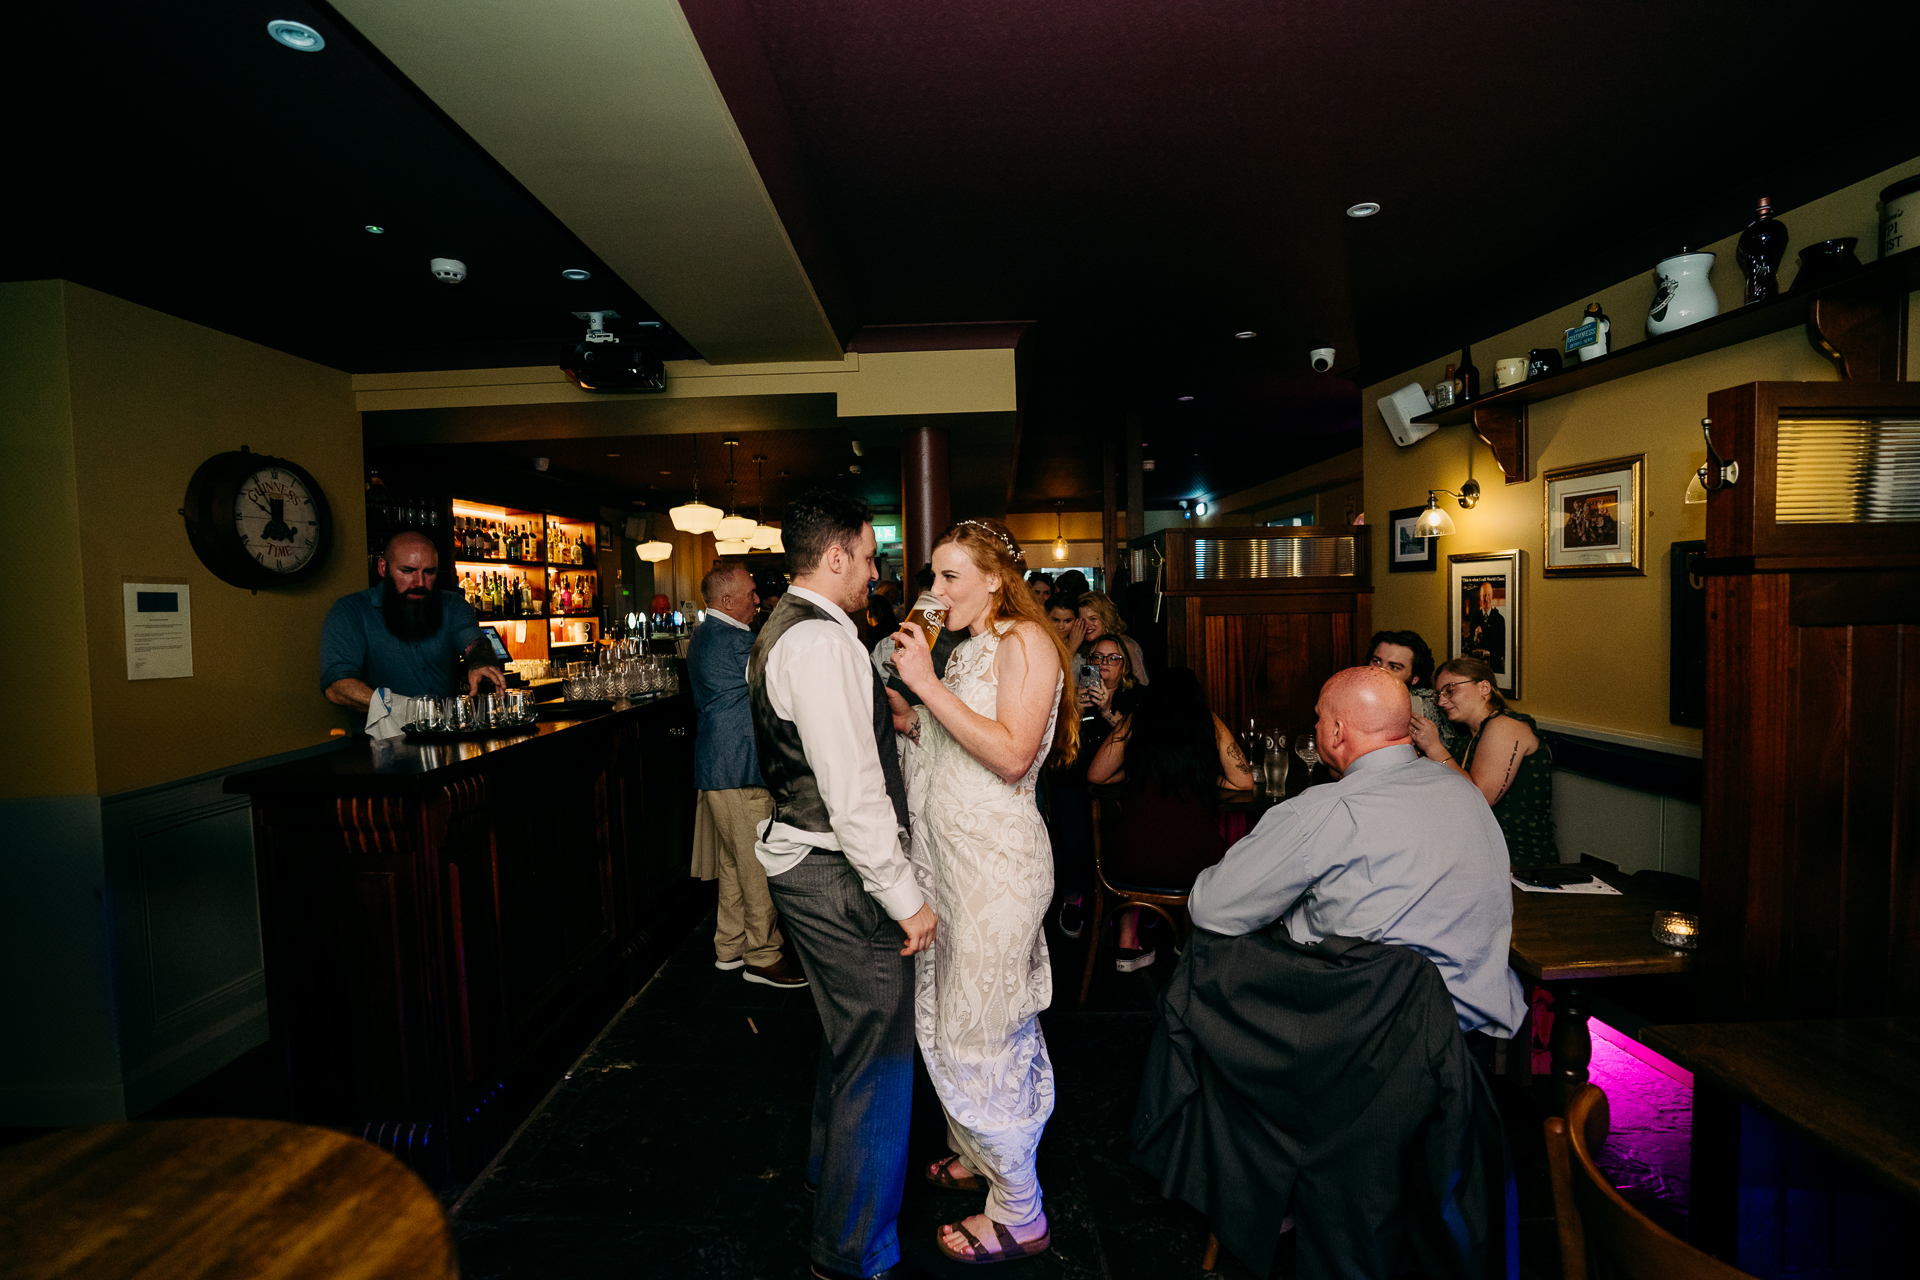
[1013,552]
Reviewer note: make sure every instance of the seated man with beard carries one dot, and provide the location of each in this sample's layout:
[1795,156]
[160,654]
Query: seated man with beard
[402,636]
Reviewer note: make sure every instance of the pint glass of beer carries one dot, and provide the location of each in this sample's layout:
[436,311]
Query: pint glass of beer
[929,613]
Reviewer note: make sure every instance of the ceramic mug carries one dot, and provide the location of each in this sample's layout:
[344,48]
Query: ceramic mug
[1511,371]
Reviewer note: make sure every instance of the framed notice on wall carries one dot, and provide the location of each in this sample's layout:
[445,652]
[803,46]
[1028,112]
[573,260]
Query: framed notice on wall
[159,630]
[1593,521]
[1483,602]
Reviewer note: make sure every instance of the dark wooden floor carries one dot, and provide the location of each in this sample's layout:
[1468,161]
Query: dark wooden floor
[675,1147]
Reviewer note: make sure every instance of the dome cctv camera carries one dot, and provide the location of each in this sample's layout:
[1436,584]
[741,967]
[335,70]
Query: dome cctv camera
[448,270]
[1322,358]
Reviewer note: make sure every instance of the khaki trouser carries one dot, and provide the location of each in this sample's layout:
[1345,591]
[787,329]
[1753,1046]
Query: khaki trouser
[724,823]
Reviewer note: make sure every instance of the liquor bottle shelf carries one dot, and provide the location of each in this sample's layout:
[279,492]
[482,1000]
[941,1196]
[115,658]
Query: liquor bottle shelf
[481,563]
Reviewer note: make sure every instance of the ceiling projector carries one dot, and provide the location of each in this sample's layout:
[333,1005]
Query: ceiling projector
[605,361]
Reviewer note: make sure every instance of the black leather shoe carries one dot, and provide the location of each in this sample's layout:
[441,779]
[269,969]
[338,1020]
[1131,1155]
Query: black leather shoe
[901,1270]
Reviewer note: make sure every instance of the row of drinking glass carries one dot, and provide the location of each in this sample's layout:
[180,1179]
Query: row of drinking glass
[487,711]
[613,680]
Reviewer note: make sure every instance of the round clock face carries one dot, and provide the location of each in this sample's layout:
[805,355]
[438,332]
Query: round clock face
[257,521]
[277,520]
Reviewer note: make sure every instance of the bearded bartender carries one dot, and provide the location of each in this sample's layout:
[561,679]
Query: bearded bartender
[386,645]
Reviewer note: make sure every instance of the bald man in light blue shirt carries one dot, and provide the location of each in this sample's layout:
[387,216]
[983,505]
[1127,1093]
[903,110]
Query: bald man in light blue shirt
[1399,850]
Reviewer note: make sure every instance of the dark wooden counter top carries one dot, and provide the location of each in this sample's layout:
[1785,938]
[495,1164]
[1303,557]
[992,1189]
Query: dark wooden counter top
[1558,936]
[447,924]
[395,766]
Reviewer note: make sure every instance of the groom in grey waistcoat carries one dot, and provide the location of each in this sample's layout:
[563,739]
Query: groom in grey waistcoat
[837,868]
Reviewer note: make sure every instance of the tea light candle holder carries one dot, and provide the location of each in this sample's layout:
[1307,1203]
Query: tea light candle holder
[1676,929]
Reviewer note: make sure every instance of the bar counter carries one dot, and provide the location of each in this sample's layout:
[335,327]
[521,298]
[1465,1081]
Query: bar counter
[447,925]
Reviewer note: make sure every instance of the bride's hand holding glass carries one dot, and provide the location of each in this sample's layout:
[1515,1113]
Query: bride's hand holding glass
[913,657]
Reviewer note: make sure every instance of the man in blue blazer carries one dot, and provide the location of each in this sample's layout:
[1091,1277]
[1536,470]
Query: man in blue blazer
[733,796]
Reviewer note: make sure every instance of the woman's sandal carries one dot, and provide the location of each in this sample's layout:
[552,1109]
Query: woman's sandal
[979,1254]
[940,1174]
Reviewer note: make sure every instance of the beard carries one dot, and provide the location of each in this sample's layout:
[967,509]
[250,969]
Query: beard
[409,618]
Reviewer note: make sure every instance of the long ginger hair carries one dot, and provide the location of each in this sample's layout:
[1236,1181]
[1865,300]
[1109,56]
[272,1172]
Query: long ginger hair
[996,553]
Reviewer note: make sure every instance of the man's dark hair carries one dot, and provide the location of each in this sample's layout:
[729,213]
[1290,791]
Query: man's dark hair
[1040,575]
[816,520]
[1422,656]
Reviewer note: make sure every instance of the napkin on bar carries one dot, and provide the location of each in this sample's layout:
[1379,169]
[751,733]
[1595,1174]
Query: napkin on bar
[389,714]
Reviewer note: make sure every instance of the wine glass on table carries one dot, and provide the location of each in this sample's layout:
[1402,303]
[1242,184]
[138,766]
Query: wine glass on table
[1256,746]
[1303,746]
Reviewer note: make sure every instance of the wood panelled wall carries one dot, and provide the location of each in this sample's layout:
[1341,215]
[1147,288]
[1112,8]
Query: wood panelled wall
[1810,858]
[1262,647]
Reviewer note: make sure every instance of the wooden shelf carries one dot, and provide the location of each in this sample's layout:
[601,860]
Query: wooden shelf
[1853,314]
[489,564]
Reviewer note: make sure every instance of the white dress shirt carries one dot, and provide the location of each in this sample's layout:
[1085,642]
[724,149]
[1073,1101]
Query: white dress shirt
[818,676]
[1401,850]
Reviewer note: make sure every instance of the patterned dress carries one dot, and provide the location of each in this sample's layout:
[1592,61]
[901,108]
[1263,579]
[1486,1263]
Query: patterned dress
[1525,813]
[980,854]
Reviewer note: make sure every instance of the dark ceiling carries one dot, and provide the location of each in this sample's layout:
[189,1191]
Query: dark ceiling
[1139,178]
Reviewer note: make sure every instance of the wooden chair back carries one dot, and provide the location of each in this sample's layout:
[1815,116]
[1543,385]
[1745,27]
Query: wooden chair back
[1602,1237]
[1171,907]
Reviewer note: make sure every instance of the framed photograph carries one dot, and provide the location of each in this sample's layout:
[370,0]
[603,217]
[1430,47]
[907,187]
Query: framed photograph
[1406,553]
[1483,602]
[1593,519]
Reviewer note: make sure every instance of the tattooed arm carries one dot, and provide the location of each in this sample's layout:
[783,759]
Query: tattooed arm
[1235,773]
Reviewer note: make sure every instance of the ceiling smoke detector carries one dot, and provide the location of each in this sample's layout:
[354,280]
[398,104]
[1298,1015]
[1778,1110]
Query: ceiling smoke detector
[1365,209]
[575,273]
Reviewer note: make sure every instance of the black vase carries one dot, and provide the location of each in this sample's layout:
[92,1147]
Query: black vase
[1826,262]
[1542,361]
[1761,247]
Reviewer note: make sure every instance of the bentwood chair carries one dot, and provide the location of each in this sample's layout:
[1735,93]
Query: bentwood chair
[1601,1234]
[1171,907]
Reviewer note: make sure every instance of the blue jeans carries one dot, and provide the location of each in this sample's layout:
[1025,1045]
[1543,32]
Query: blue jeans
[863,1094]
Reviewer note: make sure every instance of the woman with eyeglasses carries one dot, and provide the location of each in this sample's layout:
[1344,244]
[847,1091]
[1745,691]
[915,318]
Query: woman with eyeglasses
[1107,693]
[1100,617]
[1502,755]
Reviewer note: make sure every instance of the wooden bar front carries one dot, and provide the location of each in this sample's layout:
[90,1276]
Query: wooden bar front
[1265,615]
[446,925]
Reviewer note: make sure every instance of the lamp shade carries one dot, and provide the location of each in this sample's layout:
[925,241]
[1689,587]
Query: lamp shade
[762,537]
[1696,487]
[654,552]
[730,546]
[734,528]
[695,517]
[1059,548]
[1433,522]
[776,545]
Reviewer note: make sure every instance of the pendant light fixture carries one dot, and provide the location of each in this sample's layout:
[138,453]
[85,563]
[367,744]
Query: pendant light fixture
[729,546]
[1059,533]
[765,537]
[732,527]
[655,551]
[695,516]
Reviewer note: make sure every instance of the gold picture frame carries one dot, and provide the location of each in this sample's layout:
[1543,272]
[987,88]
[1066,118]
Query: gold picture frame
[1591,523]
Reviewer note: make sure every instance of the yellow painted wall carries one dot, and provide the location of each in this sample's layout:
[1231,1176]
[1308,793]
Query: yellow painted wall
[151,397]
[40,496]
[1594,650]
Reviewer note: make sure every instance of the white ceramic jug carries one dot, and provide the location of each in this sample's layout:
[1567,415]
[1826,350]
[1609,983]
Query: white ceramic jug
[1681,293]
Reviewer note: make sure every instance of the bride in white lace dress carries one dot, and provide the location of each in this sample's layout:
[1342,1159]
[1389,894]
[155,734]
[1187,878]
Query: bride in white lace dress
[980,852]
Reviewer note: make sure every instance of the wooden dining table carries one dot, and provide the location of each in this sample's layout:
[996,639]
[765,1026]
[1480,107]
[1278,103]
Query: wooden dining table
[1845,1084]
[218,1199]
[1562,940]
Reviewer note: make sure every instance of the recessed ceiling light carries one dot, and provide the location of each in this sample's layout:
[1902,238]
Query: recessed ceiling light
[375,231]
[296,35]
[666,473]
[1365,209]
[1184,399]
[613,455]
[1246,333]
[575,273]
